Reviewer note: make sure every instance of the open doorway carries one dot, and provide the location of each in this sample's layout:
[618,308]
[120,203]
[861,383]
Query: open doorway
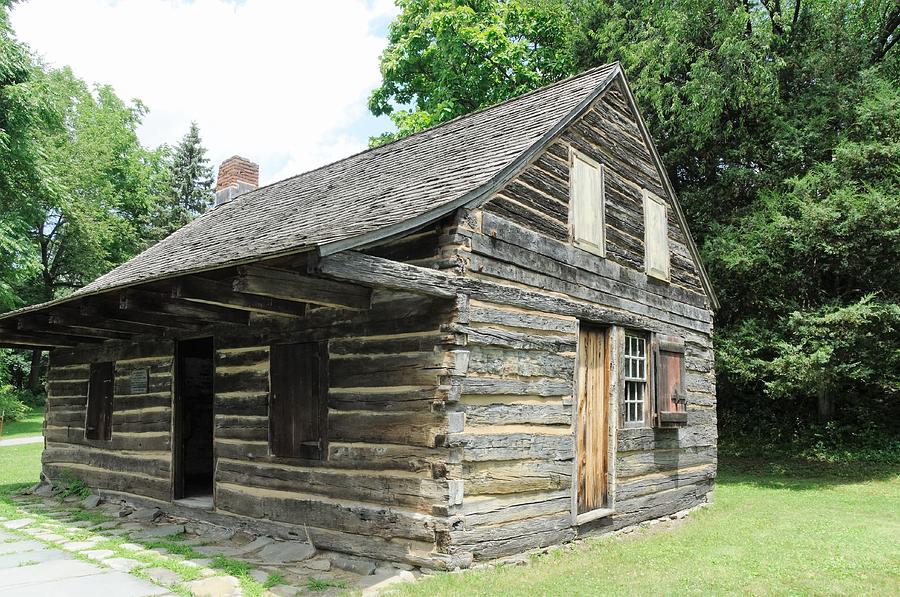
[193,421]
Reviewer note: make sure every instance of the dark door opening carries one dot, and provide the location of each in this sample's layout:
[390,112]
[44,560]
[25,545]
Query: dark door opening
[193,419]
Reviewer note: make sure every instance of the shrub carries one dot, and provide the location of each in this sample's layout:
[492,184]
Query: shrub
[11,407]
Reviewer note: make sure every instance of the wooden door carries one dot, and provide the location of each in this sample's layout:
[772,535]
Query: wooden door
[593,420]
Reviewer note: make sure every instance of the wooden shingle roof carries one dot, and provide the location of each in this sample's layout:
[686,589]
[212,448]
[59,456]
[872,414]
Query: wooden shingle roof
[364,193]
[372,195]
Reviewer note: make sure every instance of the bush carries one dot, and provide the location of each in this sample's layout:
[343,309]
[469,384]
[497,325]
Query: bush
[12,407]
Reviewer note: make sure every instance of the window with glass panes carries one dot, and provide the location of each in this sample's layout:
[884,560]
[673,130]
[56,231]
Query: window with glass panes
[635,365]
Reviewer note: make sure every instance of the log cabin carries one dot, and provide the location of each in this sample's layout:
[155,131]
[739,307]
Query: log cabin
[484,338]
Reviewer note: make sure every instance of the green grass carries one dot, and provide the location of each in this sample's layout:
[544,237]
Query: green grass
[30,424]
[273,580]
[774,529]
[19,466]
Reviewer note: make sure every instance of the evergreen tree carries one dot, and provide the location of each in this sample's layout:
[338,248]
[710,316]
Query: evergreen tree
[192,179]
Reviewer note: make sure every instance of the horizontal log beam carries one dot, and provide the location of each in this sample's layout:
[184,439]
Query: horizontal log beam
[352,266]
[44,324]
[159,322]
[153,302]
[386,273]
[74,318]
[221,294]
[23,340]
[291,286]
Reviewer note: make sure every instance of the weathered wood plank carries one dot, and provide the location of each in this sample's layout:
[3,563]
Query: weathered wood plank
[420,493]
[345,516]
[291,286]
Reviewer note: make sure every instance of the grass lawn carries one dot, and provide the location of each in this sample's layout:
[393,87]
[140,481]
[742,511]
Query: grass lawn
[31,424]
[774,529]
[19,466]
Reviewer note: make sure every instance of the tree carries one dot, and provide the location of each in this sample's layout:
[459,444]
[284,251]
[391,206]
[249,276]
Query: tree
[25,111]
[777,122]
[191,181]
[450,57]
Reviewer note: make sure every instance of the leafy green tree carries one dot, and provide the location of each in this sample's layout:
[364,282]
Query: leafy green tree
[814,269]
[101,195]
[450,57]
[778,124]
[93,211]
[25,109]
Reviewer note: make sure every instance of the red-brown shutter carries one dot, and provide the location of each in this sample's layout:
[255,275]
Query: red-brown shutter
[98,418]
[670,395]
[298,402]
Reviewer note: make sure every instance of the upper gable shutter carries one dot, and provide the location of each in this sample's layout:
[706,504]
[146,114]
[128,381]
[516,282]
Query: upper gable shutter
[656,237]
[670,395]
[587,210]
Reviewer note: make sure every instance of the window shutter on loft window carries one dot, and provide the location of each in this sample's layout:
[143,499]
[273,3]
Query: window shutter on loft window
[586,212]
[670,394]
[298,400]
[656,237]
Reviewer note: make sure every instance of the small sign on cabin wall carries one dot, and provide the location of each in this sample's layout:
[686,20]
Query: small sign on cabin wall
[140,379]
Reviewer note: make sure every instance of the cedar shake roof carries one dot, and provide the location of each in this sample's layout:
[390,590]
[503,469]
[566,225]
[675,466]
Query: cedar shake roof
[361,194]
[372,195]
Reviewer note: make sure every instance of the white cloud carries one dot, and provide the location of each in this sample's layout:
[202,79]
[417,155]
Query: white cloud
[281,83]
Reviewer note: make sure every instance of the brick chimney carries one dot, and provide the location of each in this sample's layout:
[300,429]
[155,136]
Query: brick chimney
[237,175]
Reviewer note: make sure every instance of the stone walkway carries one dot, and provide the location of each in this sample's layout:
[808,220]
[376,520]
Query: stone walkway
[29,567]
[19,441]
[113,548]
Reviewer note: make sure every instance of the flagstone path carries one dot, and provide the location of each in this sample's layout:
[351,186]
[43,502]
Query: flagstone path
[29,567]
[19,441]
[50,545]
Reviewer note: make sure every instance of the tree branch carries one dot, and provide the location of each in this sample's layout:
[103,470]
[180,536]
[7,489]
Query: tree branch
[887,37]
[794,19]
[773,7]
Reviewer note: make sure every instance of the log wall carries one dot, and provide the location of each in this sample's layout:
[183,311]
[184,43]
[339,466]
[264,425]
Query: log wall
[383,488]
[138,458]
[518,440]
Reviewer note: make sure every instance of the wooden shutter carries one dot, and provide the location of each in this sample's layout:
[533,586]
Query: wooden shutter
[656,237]
[298,401]
[98,419]
[669,374]
[586,212]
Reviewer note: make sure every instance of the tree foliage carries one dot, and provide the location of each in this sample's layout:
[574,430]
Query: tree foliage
[450,57]
[778,123]
[79,194]
[190,185]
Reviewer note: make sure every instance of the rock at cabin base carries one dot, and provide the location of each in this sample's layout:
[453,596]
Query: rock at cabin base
[355,564]
[91,501]
[282,552]
[215,586]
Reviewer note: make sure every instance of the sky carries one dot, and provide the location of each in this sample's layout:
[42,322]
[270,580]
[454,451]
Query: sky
[282,83]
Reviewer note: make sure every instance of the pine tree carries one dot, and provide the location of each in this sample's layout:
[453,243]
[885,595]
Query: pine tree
[192,177]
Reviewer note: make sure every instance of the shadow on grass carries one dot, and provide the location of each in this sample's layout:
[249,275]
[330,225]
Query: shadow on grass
[799,475]
[10,489]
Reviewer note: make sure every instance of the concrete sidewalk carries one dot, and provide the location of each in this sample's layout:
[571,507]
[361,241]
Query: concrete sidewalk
[30,568]
[20,441]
